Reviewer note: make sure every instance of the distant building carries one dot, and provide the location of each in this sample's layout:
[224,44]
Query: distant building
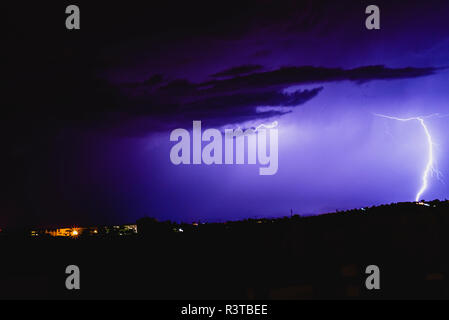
[65,232]
[121,230]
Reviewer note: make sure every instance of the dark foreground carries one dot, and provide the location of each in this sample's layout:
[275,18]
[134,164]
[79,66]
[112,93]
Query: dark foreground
[322,257]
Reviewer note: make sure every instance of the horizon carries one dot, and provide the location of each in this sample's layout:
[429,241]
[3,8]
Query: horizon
[198,222]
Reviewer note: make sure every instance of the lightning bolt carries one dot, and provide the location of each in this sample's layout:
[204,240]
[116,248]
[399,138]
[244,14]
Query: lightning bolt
[430,166]
[273,125]
[267,126]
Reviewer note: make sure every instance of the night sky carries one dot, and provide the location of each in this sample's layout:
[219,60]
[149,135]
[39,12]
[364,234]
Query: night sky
[87,114]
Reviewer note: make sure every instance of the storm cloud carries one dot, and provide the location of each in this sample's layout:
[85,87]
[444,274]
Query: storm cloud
[236,99]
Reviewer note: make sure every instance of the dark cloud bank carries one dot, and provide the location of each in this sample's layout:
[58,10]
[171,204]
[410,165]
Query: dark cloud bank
[236,97]
[158,104]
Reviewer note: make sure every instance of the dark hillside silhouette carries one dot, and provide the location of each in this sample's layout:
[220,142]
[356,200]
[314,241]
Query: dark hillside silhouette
[297,257]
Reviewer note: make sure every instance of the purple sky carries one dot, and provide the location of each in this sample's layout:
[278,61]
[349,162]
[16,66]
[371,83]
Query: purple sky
[113,165]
